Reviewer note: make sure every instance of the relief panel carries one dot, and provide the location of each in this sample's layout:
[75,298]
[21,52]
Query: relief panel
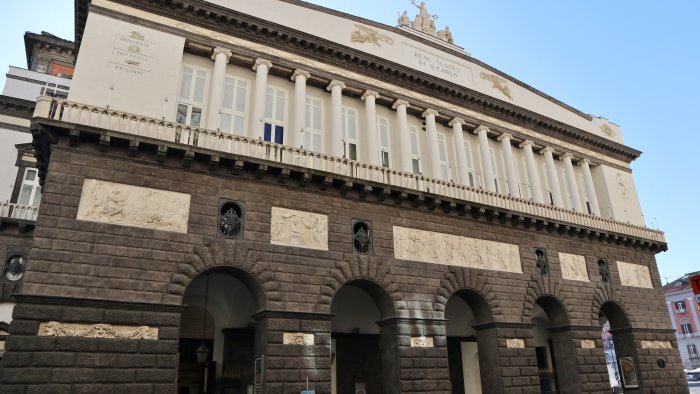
[573,267]
[87,330]
[634,275]
[439,248]
[298,338]
[126,205]
[299,229]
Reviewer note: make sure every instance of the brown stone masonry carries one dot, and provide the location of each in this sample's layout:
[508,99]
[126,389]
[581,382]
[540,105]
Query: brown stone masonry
[80,271]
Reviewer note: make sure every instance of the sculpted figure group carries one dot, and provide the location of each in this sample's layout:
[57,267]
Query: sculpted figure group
[425,23]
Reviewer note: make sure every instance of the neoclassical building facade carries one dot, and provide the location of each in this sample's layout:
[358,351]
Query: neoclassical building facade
[272,196]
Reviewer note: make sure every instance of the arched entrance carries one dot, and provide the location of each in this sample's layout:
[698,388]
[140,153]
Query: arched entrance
[469,349]
[618,345]
[217,349]
[364,354]
[554,347]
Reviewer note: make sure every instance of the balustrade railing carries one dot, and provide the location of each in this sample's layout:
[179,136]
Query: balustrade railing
[18,211]
[88,115]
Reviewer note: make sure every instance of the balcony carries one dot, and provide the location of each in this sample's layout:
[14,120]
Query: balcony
[65,112]
[18,212]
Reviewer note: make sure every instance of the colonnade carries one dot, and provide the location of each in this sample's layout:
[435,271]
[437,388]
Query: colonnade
[262,67]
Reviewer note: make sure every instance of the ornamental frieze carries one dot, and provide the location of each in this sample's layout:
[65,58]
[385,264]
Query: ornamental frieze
[86,330]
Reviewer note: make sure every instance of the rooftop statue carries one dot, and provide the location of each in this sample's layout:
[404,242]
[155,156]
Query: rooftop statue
[424,22]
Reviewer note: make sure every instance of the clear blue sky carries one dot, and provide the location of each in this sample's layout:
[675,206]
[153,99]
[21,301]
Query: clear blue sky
[636,63]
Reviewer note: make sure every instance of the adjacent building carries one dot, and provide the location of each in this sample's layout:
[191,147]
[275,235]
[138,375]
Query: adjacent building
[684,309]
[269,196]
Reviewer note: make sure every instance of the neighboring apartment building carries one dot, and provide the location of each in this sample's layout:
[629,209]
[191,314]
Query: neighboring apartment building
[684,309]
[50,62]
[249,196]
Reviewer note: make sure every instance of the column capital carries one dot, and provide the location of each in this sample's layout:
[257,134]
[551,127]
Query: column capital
[504,136]
[368,93]
[335,83]
[547,149]
[221,51]
[260,61]
[299,72]
[566,155]
[526,143]
[400,102]
[456,121]
[584,161]
[480,129]
[428,112]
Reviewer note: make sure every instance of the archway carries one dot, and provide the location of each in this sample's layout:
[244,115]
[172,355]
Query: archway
[471,344]
[618,345]
[554,347]
[218,351]
[364,353]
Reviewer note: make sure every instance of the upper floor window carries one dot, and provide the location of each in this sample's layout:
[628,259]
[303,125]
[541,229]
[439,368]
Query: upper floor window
[275,115]
[415,150]
[314,124]
[350,133]
[692,350]
[680,306]
[233,107]
[190,106]
[30,191]
[444,163]
[383,131]
[686,328]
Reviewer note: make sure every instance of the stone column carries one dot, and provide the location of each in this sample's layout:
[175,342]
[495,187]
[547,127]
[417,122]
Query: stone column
[571,181]
[216,91]
[511,173]
[486,161]
[404,137]
[552,176]
[431,128]
[370,97]
[532,173]
[337,138]
[299,78]
[590,189]
[458,142]
[261,68]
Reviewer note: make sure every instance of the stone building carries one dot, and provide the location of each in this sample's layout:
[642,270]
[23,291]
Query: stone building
[260,197]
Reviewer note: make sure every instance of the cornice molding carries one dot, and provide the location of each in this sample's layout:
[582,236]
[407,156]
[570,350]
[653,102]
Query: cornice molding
[19,108]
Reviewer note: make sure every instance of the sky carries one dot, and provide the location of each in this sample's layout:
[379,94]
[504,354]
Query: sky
[635,62]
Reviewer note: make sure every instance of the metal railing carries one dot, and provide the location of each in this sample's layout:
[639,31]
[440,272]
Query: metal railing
[18,211]
[88,115]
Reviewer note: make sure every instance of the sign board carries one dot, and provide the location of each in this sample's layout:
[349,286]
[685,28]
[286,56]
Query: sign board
[695,282]
[308,392]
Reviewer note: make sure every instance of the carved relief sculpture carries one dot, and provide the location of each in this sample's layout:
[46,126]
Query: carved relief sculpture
[298,338]
[439,248]
[498,83]
[634,275]
[573,267]
[425,23]
[299,229]
[86,330]
[656,345]
[422,341]
[365,34]
[116,203]
[515,343]
[587,344]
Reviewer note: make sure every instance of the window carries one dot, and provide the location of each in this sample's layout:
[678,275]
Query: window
[190,106]
[524,178]
[350,133]
[680,306]
[444,163]
[692,351]
[383,128]
[233,107]
[30,191]
[686,328]
[471,174]
[275,115]
[313,125]
[495,170]
[566,193]
[415,150]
